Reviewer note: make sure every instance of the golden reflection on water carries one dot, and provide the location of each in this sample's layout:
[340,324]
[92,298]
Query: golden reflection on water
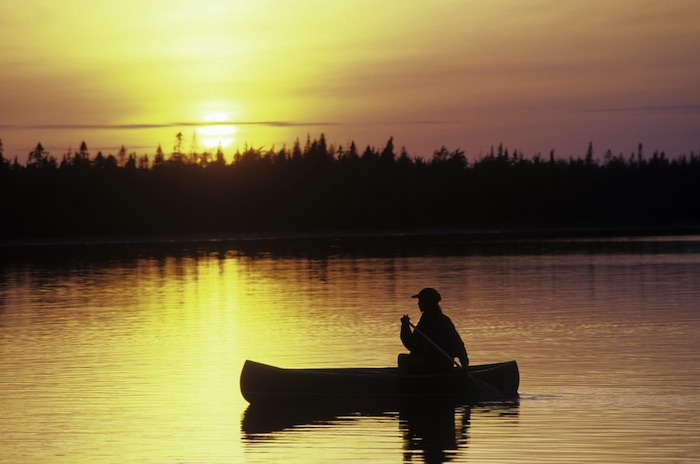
[134,365]
[135,357]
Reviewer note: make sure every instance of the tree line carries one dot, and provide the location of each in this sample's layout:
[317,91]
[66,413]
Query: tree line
[316,186]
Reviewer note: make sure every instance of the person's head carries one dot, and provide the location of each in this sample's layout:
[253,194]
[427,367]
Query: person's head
[428,298]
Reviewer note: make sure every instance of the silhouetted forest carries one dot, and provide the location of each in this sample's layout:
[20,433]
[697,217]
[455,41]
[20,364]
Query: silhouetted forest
[314,186]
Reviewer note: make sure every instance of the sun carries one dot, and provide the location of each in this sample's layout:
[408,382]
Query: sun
[216,130]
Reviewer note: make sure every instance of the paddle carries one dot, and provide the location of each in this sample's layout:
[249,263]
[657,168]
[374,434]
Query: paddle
[488,390]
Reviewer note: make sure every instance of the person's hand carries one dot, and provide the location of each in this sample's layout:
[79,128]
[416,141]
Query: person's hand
[405,320]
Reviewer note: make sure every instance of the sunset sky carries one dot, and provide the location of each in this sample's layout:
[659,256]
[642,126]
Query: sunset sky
[534,75]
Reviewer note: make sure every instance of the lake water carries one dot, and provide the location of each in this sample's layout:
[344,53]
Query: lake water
[119,353]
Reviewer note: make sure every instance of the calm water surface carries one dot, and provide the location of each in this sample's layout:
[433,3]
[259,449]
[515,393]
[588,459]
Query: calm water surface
[132,353]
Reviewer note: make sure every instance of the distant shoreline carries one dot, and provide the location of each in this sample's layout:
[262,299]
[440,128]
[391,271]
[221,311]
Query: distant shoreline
[491,234]
[317,192]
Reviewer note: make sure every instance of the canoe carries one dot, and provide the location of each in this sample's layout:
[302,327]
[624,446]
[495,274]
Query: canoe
[262,383]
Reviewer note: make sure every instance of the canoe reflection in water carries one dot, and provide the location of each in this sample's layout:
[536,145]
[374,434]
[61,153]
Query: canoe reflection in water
[433,430]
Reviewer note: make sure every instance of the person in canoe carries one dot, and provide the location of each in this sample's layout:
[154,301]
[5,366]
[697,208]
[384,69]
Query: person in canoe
[434,328]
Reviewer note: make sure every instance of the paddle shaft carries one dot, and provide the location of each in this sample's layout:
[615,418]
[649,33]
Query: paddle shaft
[485,387]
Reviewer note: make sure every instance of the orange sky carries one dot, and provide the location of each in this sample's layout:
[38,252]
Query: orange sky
[535,75]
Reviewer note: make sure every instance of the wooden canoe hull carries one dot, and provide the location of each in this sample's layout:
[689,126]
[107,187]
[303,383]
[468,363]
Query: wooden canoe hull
[262,383]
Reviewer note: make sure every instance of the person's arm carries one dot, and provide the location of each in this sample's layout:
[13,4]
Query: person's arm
[463,357]
[457,348]
[407,336]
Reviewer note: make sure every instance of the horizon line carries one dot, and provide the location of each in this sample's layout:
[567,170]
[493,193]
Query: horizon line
[691,108]
[175,124]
